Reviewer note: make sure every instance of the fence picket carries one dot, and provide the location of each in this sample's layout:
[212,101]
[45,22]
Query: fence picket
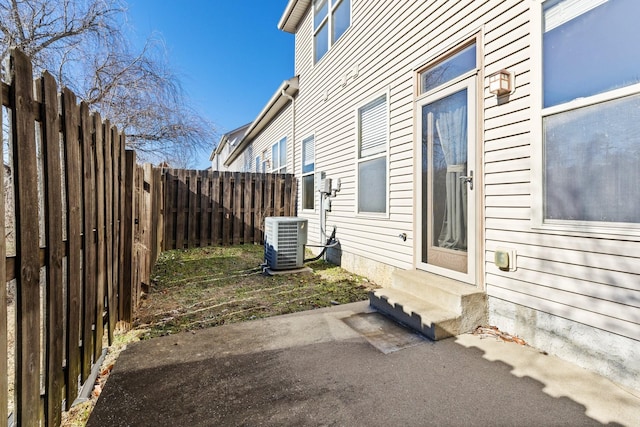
[90,240]
[71,115]
[4,366]
[27,243]
[53,240]
[100,222]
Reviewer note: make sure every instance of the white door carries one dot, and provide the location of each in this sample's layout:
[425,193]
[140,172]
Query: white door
[446,189]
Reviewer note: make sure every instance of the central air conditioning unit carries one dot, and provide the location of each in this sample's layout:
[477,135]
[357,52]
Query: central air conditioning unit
[285,237]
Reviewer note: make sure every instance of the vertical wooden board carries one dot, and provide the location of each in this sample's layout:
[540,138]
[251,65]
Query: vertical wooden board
[147,189]
[288,201]
[193,208]
[277,196]
[116,224]
[141,258]
[108,200]
[153,218]
[294,196]
[237,207]
[27,384]
[216,212]
[258,209]
[100,284]
[4,386]
[158,174]
[170,201]
[71,116]
[205,208]
[121,228]
[127,239]
[227,200]
[181,206]
[55,253]
[90,238]
[248,209]
[268,194]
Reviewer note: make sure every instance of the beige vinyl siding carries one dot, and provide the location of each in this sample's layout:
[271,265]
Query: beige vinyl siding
[589,278]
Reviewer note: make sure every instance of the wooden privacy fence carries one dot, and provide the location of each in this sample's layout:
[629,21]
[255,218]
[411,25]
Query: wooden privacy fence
[205,208]
[83,235]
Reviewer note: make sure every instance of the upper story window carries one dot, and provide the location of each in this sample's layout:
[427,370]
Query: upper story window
[373,132]
[591,111]
[331,18]
[279,156]
[308,173]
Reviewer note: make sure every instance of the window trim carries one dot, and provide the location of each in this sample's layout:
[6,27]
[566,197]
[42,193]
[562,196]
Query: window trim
[305,174]
[386,214]
[538,113]
[332,5]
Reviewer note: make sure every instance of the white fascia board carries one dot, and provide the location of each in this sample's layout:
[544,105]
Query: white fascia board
[293,15]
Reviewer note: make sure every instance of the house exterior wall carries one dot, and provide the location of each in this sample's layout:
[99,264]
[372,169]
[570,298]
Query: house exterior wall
[573,294]
[280,127]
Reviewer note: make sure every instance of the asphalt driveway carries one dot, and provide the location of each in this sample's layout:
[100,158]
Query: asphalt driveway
[349,366]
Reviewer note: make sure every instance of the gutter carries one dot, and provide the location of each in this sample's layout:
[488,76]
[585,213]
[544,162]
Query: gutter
[277,102]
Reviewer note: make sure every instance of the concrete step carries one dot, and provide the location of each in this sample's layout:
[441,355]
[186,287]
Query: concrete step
[436,306]
[442,291]
[428,319]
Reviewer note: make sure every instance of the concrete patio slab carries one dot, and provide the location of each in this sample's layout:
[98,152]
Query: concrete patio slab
[347,366]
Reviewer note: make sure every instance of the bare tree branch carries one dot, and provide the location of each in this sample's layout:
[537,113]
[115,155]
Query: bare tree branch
[83,41]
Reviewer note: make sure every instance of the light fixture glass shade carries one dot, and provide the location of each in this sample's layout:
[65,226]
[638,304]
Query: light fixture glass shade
[500,83]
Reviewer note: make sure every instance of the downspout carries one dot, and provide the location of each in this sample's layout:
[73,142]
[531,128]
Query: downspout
[293,125]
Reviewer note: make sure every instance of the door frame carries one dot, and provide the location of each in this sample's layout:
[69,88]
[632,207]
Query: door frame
[468,82]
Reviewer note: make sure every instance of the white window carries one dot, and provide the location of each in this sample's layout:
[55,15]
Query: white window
[331,18]
[308,173]
[590,112]
[372,156]
[258,165]
[279,156]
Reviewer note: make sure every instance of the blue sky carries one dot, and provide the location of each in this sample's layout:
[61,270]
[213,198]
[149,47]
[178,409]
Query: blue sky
[229,55]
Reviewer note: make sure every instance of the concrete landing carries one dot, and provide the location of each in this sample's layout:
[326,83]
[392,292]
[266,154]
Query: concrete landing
[435,306]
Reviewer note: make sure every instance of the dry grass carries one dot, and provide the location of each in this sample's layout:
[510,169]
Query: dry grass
[207,287]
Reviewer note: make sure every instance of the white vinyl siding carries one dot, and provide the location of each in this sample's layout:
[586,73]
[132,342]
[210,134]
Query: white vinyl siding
[582,277]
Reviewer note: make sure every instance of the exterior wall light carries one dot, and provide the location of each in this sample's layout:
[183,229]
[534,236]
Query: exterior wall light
[501,83]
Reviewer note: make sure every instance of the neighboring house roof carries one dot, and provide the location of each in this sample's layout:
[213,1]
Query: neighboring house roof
[293,15]
[277,102]
[231,138]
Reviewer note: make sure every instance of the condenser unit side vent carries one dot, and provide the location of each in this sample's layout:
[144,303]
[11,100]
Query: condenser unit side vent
[284,242]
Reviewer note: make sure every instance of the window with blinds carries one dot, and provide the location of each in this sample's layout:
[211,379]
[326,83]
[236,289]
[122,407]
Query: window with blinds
[372,156]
